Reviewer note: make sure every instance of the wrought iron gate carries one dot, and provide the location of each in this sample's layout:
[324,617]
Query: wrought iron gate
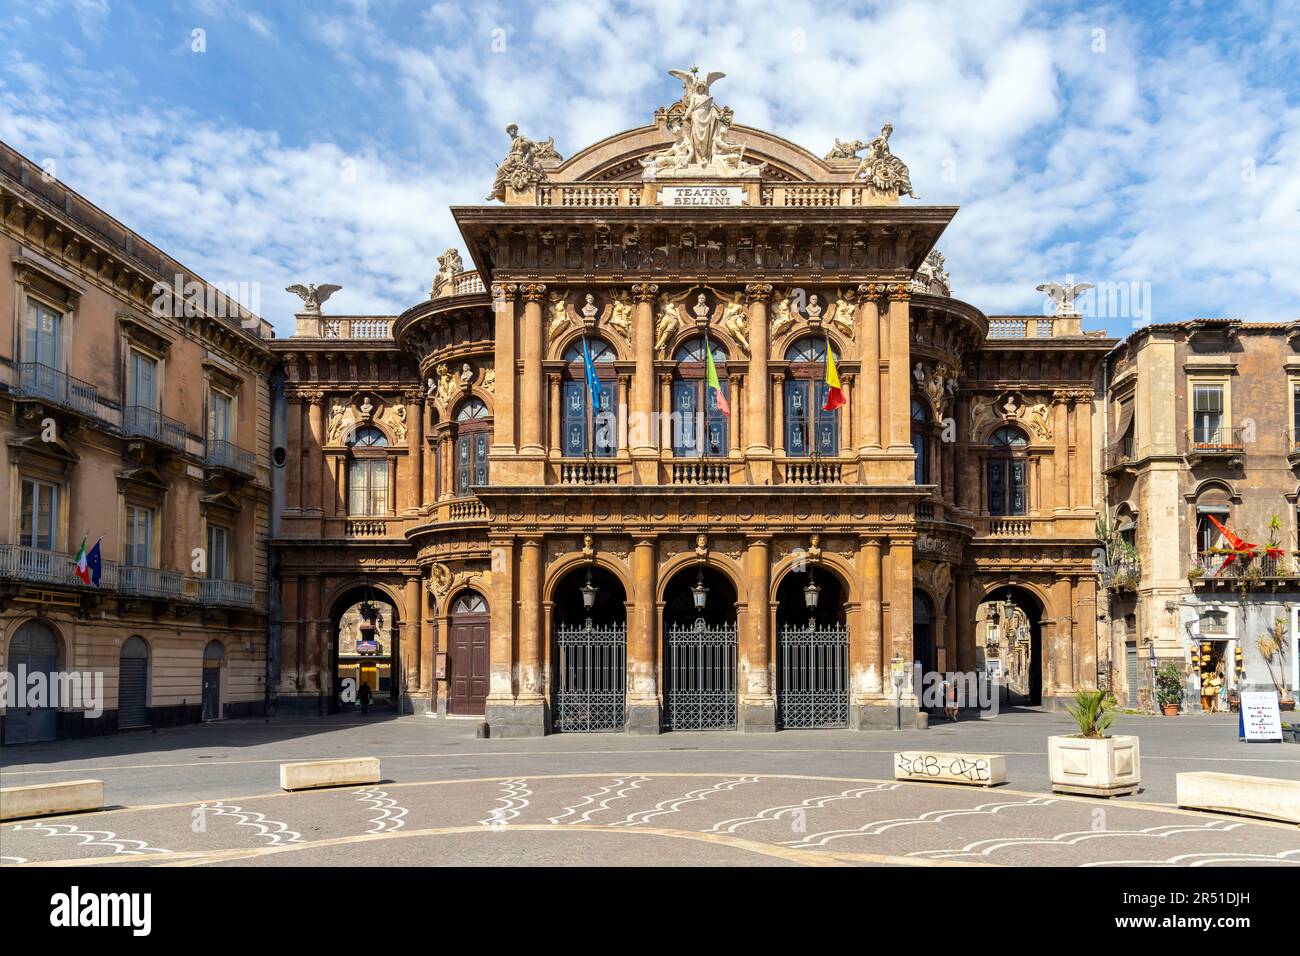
[590,677]
[701,691]
[812,675]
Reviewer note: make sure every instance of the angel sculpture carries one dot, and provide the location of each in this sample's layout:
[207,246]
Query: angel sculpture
[702,119]
[670,320]
[841,316]
[1063,296]
[449,263]
[313,296]
[620,316]
[736,324]
[784,318]
[559,316]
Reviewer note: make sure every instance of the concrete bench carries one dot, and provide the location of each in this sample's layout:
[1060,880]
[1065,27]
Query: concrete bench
[1264,797]
[312,774]
[972,770]
[46,799]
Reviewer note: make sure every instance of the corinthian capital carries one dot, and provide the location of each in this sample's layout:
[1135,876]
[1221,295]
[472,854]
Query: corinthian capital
[533,291]
[504,291]
[645,292]
[758,292]
[899,291]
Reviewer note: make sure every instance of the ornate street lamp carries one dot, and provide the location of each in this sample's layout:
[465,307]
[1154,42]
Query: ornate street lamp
[700,593]
[588,594]
[811,593]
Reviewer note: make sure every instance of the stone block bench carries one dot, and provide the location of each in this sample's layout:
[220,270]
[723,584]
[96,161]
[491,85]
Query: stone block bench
[313,774]
[46,799]
[1265,797]
[972,770]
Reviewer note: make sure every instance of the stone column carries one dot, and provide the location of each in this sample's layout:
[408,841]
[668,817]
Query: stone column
[530,705]
[428,647]
[641,432]
[429,452]
[412,624]
[665,424]
[642,642]
[900,615]
[1058,657]
[501,666]
[313,459]
[503,406]
[448,482]
[531,398]
[869,397]
[1083,449]
[414,450]
[556,411]
[950,630]
[757,705]
[965,625]
[1064,480]
[900,394]
[866,661]
[758,408]
[736,435]
[624,389]
[778,415]
[293,465]
[1085,632]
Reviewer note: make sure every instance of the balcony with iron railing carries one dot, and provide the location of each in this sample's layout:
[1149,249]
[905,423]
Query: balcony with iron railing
[1121,573]
[1217,442]
[227,456]
[138,581]
[1222,565]
[1118,456]
[140,421]
[218,592]
[56,568]
[45,383]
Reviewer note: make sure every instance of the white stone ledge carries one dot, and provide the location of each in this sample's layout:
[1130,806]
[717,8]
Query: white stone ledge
[312,774]
[46,799]
[1264,797]
[972,770]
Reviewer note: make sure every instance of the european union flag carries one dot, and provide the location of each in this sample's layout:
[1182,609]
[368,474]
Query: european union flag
[593,382]
[95,564]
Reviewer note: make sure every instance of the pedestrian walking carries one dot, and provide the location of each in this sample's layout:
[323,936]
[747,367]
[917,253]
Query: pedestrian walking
[950,698]
[364,697]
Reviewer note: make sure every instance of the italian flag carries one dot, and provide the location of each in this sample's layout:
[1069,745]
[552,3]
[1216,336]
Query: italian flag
[83,569]
[715,387]
[834,394]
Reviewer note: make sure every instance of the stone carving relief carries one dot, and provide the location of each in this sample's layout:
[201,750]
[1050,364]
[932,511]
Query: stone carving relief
[620,317]
[1036,418]
[559,316]
[930,277]
[442,580]
[936,576]
[735,322]
[1063,296]
[313,296]
[396,421]
[783,316]
[340,420]
[445,390]
[700,146]
[846,150]
[939,385]
[522,167]
[489,383]
[843,313]
[883,172]
[449,265]
[669,321]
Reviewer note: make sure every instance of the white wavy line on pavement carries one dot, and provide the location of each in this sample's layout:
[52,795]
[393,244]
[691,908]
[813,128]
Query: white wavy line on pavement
[87,837]
[513,801]
[812,803]
[251,818]
[589,799]
[388,821]
[635,784]
[877,827]
[676,803]
[1079,836]
[12,859]
[1206,859]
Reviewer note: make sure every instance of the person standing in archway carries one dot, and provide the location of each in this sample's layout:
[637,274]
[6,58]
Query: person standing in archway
[363,696]
[950,698]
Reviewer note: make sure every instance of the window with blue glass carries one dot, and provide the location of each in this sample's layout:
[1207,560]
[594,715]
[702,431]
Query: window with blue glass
[922,426]
[585,431]
[473,431]
[699,429]
[809,429]
[1007,470]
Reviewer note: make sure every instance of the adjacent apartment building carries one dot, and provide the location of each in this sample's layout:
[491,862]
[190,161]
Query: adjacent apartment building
[1202,447]
[134,413]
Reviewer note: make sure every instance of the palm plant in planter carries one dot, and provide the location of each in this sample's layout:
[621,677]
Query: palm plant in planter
[1092,762]
[1169,690]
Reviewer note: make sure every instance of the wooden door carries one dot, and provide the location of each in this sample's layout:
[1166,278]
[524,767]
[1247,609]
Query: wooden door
[468,666]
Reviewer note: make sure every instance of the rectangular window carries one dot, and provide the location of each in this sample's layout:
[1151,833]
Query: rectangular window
[220,409]
[142,381]
[1207,535]
[604,425]
[1207,414]
[1007,490]
[685,422]
[42,335]
[1295,415]
[368,486]
[40,514]
[573,419]
[809,429]
[139,536]
[218,552]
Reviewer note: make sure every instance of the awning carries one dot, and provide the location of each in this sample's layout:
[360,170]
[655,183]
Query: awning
[1125,424]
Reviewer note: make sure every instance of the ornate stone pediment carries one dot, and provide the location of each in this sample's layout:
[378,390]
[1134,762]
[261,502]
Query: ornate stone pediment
[1010,407]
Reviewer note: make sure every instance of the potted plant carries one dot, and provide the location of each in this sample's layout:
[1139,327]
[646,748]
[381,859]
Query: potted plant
[1169,690]
[1092,762]
[1272,647]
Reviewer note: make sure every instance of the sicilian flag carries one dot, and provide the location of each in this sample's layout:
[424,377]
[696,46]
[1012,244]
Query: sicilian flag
[715,387]
[834,394]
[89,564]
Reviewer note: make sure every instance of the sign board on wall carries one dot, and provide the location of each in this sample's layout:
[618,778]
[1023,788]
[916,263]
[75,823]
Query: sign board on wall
[1260,717]
[702,196]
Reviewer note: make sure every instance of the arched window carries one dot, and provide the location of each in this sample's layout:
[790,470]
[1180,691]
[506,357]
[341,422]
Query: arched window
[921,424]
[583,433]
[473,432]
[469,602]
[699,427]
[809,428]
[368,472]
[1007,470]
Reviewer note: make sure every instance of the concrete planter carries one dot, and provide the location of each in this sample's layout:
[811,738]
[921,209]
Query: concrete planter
[1105,767]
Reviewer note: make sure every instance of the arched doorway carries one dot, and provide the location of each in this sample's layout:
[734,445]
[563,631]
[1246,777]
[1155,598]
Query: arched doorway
[589,651]
[699,661]
[34,649]
[812,651]
[214,669]
[923,649]
[1010,622]
[467,665]
[364,625]
[133,684]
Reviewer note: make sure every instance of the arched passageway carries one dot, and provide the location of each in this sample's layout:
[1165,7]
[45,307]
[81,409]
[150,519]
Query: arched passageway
[699,657]
[812,651]
[588,651]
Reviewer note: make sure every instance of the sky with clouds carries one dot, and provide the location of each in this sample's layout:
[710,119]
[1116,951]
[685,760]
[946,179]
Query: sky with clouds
[1155,149]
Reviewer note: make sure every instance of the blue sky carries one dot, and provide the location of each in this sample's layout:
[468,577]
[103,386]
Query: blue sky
[1155,150]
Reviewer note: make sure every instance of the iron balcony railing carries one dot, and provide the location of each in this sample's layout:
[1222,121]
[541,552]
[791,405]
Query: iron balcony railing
[36,380]
[217,592]
[145,422]
[224,454]
[1117,455]
[1214,565]
[38,566]
[1122,574]
[139,581]
[1204,440]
